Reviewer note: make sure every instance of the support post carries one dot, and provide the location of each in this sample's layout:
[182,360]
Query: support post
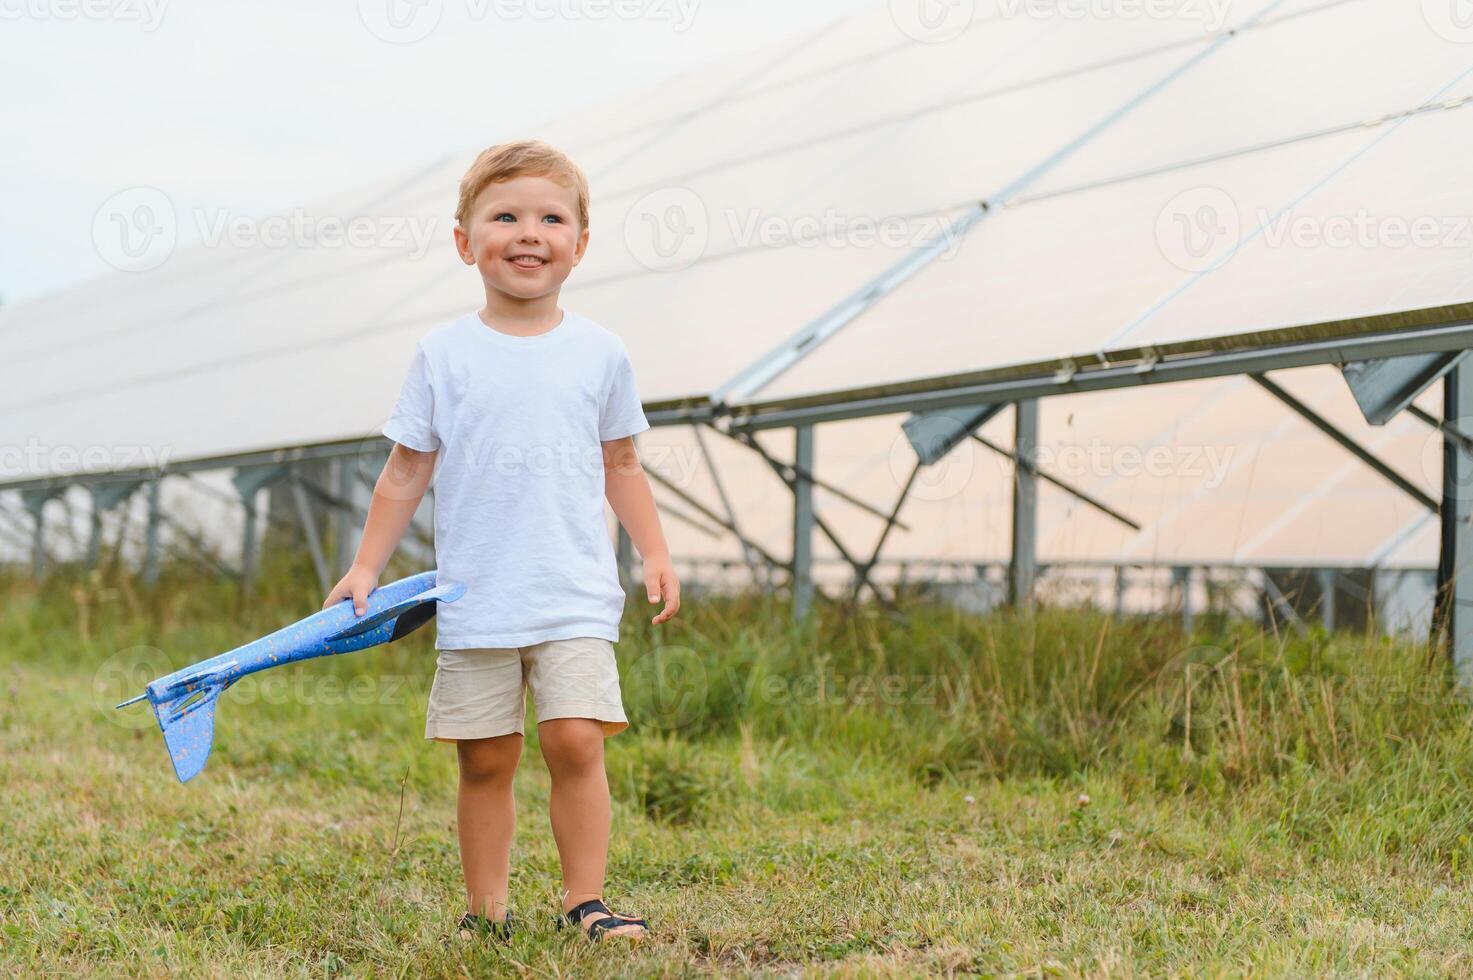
[249,482]
[1023,568]
[151,535]
[1327,579]
[35,503]
[1181,577]
[105,496]
[802,521]
[1453,612]
[1119,591]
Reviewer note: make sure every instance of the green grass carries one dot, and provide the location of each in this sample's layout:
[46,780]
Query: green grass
[1059,795]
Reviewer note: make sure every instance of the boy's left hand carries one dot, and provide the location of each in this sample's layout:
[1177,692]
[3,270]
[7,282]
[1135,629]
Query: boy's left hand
[660,582]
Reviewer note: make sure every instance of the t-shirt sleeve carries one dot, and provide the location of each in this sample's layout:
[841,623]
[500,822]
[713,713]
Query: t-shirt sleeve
[412,422]
[621,413]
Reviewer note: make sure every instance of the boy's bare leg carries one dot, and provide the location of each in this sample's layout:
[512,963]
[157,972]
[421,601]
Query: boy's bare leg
[574,750]
[486,817]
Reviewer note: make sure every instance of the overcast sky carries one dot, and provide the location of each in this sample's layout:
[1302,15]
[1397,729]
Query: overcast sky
[256,106]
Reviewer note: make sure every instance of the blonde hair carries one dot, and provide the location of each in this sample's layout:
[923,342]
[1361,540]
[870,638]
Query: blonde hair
[522,158]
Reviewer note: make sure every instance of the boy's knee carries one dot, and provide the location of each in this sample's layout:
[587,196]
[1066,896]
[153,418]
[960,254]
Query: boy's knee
[488,759]
[571,743]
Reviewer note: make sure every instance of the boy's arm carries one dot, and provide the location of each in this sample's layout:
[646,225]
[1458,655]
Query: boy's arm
[396,497]
[628,491]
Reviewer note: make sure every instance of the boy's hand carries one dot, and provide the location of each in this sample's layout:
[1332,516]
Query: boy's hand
[357,584]
[660,582]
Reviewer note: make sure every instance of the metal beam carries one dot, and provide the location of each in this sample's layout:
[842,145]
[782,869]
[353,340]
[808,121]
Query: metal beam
[725,502]
[35,502]
[1452,617]
[151,534]
[788,471]
[105,497]
[1022,569]
[1360,452]
[1385,386]
[1037,381]
[309,531]
[1074,492]
[249,482]
[802,577]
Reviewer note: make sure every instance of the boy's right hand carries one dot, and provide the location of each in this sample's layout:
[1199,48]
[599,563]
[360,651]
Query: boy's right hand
[355,585]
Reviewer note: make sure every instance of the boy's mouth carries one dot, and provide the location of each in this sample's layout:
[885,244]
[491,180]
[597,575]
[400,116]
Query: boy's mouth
[528,262]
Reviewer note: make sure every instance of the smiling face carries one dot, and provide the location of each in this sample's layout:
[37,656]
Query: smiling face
[523,236]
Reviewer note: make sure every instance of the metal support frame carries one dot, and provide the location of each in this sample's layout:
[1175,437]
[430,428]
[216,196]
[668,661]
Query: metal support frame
[1327,577]
[726,504]
[35,502]
[1452,617]
[790,475]
[803,515]
[105,497]
[1045,380]
[1181,581]
[1022,568]
[309,531]
[151,534]
[1356,449]
[249,482]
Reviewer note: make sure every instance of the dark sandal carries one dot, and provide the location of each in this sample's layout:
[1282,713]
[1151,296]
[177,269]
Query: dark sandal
[596,929]
[479,924]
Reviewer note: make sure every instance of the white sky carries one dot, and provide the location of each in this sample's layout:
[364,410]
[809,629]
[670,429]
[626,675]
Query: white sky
[255,106]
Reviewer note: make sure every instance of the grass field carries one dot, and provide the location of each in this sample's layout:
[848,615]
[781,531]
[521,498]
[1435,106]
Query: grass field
[1061,795]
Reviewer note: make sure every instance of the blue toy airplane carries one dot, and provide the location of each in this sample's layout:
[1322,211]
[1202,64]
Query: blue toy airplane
[184,701]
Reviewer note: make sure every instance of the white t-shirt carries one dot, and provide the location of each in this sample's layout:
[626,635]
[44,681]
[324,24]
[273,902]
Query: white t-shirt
[519,486]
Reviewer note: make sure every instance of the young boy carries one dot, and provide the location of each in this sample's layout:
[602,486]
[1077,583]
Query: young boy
[529,411]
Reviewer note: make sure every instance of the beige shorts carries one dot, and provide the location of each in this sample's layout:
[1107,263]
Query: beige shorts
[481,693]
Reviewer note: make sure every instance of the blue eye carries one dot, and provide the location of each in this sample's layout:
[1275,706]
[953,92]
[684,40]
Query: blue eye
[555,217]
[504,214]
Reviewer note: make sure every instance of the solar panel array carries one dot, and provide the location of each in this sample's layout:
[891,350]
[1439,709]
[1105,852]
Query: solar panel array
[1147,180]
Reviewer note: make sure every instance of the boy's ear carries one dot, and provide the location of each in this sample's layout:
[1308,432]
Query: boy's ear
[463,245]
[581,247]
